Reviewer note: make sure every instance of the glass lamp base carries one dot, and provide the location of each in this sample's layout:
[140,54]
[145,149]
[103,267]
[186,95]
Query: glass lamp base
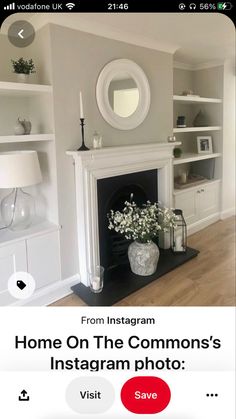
[18,210]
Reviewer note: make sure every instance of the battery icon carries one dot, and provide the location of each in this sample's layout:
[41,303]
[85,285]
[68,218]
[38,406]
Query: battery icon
[224,6]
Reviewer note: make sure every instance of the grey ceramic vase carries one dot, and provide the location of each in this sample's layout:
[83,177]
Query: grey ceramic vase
[143,258]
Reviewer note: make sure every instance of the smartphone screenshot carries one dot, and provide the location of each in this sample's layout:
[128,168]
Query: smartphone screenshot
[117,210]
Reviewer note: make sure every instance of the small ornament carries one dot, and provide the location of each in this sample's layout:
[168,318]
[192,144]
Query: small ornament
[181,122]
[97,140]
[200,120]
[19,128]
[171,139]
[27,126]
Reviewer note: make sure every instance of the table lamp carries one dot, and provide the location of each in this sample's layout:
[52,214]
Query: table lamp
[18,169]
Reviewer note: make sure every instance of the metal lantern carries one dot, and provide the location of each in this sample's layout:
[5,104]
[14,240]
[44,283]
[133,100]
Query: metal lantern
[178,235]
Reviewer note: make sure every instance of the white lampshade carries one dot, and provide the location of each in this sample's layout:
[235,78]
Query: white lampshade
[19,169]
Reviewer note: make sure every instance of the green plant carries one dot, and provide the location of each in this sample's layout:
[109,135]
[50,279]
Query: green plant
[141,223]
[177,152]
[22,66]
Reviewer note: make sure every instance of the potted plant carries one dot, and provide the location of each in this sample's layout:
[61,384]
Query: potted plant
[142,224]
[23,68]
[177,152]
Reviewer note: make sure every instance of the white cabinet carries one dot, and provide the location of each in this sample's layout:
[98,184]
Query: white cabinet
[187,201]
[209,200]
[36,251]
[199,202]
[12,259]
[43,256]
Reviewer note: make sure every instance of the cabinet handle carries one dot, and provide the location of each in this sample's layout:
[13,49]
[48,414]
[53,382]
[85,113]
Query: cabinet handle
[198,191]
[202,190]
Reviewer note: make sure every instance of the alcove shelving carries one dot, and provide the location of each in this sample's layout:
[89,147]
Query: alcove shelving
[190,157]
[23,89]
[199,196]
[35,250]
[196,129]
[4,139]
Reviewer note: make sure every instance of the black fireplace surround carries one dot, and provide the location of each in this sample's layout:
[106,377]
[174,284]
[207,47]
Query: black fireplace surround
[119,281]
[112,194]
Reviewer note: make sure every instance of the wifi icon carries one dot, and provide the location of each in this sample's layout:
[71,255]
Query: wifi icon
[70,6]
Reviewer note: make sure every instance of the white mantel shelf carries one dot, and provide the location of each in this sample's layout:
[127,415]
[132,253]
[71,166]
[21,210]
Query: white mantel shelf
[121,150]
[93,165]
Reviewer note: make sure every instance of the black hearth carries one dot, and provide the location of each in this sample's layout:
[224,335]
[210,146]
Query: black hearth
[123,282]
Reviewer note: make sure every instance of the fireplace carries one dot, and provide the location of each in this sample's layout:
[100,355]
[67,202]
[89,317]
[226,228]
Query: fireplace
[112,193]
[104,179]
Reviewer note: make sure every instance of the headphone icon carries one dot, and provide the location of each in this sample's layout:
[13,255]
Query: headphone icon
[192,6]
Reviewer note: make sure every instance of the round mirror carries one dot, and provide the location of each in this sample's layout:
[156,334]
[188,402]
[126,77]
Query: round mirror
[123,94]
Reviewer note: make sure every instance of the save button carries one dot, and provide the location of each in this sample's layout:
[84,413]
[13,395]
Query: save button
[145,395]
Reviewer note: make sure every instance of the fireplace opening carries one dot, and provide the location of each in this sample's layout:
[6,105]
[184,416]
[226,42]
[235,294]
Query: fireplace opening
[139,187]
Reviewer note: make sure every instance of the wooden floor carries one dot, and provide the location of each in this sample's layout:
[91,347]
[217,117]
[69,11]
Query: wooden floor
[207,280]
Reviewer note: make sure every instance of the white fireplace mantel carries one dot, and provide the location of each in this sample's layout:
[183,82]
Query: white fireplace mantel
[108,162]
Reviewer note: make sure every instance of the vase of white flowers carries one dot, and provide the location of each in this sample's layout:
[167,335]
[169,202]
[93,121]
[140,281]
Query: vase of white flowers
[142,225]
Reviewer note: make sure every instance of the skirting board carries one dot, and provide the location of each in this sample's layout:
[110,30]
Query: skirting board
[50,294]
[201,224]
[227,213]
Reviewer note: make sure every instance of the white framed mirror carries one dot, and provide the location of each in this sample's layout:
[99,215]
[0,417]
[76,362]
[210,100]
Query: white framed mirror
[123,94]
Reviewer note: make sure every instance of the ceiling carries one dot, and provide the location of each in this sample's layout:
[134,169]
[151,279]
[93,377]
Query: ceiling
[194,39]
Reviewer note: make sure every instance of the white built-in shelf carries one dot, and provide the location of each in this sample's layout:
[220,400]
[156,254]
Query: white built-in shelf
[200,185]
[195,99]
[189,157]
[38,228]
[23,89]
[5,139]
[196,129]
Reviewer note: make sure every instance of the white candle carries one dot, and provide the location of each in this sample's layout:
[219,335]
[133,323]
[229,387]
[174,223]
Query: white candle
[96,283]
[81,105]
[178,244]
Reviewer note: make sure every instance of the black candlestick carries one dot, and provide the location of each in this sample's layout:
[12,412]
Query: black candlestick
[83,146]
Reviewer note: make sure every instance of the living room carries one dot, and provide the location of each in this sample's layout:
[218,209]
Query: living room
[182,130]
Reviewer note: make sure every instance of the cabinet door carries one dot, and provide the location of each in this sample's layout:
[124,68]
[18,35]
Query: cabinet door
[187,202]
[12,259]
[43,254]
[210,200]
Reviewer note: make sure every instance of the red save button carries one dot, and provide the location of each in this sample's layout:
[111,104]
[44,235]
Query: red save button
[145,395]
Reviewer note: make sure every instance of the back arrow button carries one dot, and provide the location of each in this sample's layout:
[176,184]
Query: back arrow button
[20,34]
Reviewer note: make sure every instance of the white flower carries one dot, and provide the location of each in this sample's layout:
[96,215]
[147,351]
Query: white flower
[141,223]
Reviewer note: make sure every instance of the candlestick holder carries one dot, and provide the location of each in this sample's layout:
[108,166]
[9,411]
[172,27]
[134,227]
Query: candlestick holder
[83,146]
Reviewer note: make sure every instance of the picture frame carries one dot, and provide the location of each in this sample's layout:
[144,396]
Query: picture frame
[204,144]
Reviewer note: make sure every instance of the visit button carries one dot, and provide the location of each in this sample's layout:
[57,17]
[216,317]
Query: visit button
[145,395]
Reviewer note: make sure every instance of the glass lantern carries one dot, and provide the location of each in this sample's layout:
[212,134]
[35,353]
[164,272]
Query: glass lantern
[178,235]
